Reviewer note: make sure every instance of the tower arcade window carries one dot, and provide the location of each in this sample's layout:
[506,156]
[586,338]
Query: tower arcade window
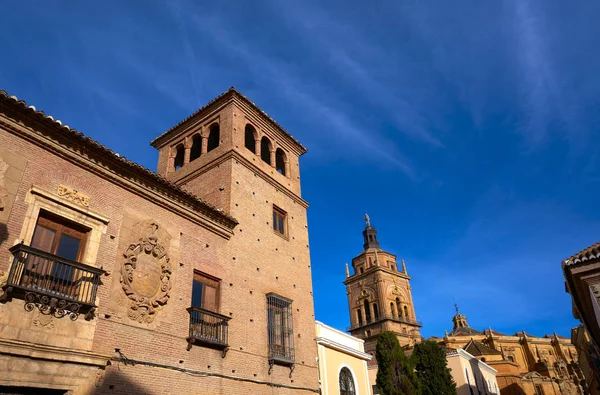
[280,160]
[280,330]
[360,319]
[375,311]
[179,156]
[398,307]
[279,221]
[250,138]
[265,150]
[196,149]
[346,382]
[406,311]
[392,309]
[213,137]
[367,311]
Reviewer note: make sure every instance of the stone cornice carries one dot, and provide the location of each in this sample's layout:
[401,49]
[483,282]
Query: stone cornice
[373,269]
[342,348]
[126,177]
[51,353]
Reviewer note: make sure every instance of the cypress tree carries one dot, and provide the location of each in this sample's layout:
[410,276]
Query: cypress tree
[395,374]
[431,366]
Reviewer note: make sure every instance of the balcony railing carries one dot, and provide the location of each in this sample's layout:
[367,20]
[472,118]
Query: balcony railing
[55,285]
[208,328]
[403,320]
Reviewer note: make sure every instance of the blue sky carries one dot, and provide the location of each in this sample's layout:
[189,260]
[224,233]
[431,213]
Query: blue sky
[467,129]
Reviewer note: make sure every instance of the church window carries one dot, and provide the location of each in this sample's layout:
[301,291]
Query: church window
[213,137]
[511,358]
[346,382]
[370,261]
[393,267]
[392,309]
[196,149]
[367,311]
[362,270]
[398,307]
[265,150]
[406,311]
[179,155]
[250,138]
[375,311]
[279,221]
[359,314]
[280,160]
[539,390]
[280,330]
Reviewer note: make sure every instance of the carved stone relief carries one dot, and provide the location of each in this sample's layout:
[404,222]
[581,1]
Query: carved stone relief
[146,272]
[44,320]
[73,195]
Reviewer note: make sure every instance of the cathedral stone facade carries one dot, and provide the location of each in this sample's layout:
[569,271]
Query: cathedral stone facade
[525,364]
[119,280]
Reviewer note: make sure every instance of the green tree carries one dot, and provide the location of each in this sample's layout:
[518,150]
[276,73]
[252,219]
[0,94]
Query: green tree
[429,359]
[396,374]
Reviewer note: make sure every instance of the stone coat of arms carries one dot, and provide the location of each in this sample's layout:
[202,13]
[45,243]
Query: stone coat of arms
[146,274]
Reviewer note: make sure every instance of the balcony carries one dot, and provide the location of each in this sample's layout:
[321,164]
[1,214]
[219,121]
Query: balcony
[208,328]
[403,320]
[56,286]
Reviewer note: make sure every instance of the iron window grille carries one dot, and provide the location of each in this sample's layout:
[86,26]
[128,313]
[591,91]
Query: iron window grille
[346,382]
[280,330]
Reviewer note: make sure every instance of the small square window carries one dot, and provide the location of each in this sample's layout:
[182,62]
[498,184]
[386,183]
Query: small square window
[205,292]
[279,221]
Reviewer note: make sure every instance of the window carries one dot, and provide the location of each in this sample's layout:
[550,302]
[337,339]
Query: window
[367,311]
[60,237]
[359,314]
[196,149]
[250,139]
[279,221]
[406,311]
[511,358]
[280,330]
[361,270]
[375,311]
[280,160]
[213,137]
[205,292]
[265,150]
[179,156]
[392,309]
[346,382]
[539,390]
[398,307]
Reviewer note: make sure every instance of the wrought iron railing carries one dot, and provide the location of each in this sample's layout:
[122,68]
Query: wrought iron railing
[55,285]
[208,327]
[404,320]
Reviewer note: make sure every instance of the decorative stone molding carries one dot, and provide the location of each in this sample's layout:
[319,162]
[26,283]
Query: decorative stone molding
[44,321]
[146,273]
[73,195]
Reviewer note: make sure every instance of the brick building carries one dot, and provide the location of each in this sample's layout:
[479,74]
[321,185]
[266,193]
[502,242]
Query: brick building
[119,280]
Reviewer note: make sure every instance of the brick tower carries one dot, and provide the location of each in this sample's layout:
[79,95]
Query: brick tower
[379,295]
[234,156]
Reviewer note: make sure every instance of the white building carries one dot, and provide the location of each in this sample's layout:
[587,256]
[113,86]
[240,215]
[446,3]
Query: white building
[471,375]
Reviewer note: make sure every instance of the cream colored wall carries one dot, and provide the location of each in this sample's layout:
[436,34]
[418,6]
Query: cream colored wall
[479,373]
[337,350]
[331,363]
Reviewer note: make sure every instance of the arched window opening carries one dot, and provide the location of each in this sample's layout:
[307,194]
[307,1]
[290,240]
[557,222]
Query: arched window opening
[249,138]
[346,382]
[375,311]
[213,137]
[280,161]
[362,270]
[359,314]
[393,267]
[406,311]
[398,307]
[367,311]
[196,149]
[392,309]
[511,358]
[265,150]
[179,155]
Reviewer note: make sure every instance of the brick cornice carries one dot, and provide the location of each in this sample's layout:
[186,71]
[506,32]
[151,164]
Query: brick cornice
[51,353]
[123,175]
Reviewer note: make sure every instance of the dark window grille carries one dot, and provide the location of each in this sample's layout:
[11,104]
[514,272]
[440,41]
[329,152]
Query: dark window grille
[280,329]
[346,382]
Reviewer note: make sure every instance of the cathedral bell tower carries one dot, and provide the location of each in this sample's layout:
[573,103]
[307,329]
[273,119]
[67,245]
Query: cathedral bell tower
[379,295]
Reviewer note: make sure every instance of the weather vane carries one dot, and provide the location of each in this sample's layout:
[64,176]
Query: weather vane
[368,220]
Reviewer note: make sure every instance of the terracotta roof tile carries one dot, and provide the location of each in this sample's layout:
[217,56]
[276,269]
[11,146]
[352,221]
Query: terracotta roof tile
[179,194]
[464,331]
[231,91]
[592,252]
[477,348]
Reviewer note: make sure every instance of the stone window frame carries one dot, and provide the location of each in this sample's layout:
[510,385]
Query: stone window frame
[39,199]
